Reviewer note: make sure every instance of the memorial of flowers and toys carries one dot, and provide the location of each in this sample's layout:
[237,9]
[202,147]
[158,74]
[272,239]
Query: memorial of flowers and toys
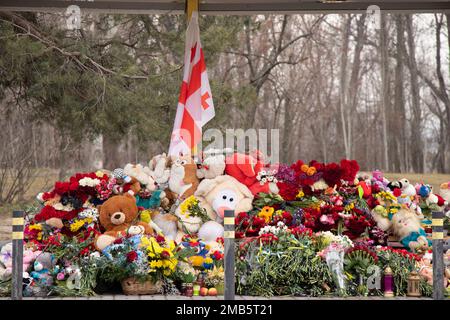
[307,229]
[302,229]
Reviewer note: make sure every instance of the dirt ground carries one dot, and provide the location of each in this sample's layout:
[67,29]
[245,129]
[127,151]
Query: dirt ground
[44,183]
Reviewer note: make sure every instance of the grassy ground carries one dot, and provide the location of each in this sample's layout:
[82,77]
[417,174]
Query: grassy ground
[433,179]
[45,181]
[42,183]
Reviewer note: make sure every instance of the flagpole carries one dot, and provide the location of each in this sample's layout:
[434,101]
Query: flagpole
[191,6]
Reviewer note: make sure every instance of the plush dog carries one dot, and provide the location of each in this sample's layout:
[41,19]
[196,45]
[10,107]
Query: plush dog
[223,193]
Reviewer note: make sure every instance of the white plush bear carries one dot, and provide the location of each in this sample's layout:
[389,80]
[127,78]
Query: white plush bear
[140,173]
[212,166]
[159,169]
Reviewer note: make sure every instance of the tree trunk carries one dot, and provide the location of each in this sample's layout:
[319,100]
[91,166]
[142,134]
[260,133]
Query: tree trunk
[111,154]
[385,79]
[342,127]
[397,119]
[416,142]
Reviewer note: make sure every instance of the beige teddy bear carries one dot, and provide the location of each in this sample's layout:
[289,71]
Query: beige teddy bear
[406,226]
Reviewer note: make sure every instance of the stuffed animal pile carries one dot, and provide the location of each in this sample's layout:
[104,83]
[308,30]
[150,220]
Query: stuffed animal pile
[178,199]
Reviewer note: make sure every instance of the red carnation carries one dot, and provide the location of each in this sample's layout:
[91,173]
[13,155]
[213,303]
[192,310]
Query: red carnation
[220,240]
[332,174]
[217,255]
[165,254]
[48,195]
[297,167]
[61,187]
[118,241]
[301,231]
[258,222]
[287,191]
[160,239]
[319,166]
[349,169]
[132,256]
[268,238]
[239,234]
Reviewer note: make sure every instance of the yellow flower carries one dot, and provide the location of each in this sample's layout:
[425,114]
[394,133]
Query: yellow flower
[266,213]
[99,174]
[188,204]
[304,168]
[75,226]
[349,207]
[311,171]
[156,264]
[35,227]
[146,216]
[279,212]
[196,261]
[300,194]
[208,260]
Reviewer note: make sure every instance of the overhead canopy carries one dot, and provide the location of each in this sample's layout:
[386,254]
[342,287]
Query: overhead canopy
[230,6]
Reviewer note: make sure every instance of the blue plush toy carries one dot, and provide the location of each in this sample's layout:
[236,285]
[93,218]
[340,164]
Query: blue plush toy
[415,237]
[424,191]
[43,268]
[151,203]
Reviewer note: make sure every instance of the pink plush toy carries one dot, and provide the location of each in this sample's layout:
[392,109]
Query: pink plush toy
[6,260]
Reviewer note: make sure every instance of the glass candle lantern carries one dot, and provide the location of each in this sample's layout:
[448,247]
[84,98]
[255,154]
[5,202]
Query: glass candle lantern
[189,292]
[413,285]
[196,289]
[388,282]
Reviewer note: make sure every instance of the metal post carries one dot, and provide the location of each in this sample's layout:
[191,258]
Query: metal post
[438,255]
[17,255]
[191,6]
[228,235]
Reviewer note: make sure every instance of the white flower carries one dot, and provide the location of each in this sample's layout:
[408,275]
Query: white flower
[88,182]
[319,185]
[59,206]
[89,213]
[95,254]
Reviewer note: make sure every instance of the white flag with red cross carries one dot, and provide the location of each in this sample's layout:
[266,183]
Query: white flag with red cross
[195,104]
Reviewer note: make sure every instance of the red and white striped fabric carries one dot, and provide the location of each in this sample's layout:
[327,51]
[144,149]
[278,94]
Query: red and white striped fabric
[195,104]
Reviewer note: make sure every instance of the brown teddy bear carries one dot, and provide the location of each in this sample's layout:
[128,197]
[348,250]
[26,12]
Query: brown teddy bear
[118,215]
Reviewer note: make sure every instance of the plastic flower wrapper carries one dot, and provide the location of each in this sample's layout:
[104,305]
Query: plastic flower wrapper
[325,238]
[215,277]
[334,257]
